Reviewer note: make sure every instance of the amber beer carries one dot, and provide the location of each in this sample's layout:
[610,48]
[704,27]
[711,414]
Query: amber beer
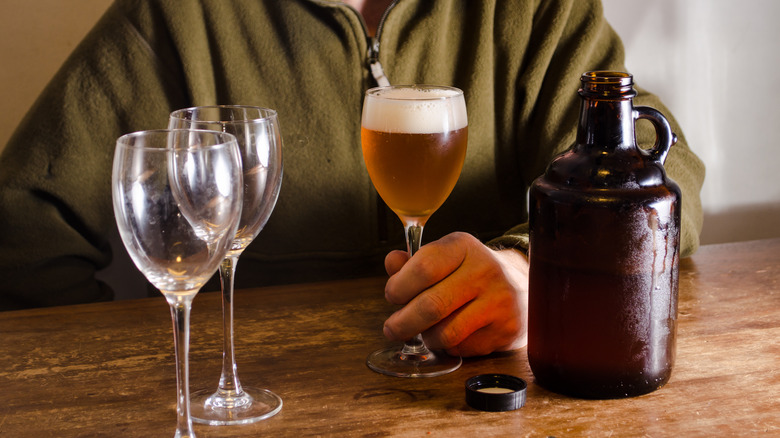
[412,153]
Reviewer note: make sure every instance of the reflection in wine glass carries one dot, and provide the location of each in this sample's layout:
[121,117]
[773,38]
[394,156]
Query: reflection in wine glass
[189,172]
[414,144]
[260,145]
[163,235]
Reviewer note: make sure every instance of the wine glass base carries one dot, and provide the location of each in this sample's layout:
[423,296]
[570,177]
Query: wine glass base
[207,407]
[392,361]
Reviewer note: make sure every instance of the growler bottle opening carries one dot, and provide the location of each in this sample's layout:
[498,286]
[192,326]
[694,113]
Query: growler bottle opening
[614,84]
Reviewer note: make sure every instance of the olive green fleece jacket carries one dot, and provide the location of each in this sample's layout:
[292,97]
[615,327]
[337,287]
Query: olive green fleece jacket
[518,61]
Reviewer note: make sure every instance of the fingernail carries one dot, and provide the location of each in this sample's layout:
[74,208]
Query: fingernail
[388,333]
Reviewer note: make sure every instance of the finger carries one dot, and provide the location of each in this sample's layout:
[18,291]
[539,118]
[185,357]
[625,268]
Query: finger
[482,342]
[490,322]
[395,260]
[432,263]
[462,323]
[428,308]
[452,330]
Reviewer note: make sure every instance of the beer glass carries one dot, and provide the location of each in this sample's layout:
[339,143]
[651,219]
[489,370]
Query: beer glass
[260,146]
[414,144]
[177,201]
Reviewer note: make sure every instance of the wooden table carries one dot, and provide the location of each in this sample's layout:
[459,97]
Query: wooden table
[107,369]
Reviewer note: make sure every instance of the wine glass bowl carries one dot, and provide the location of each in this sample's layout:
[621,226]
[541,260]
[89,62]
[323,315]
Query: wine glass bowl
[414,144]
[260,146]
[425,132]
[177,201]
[159,220]
[207,209]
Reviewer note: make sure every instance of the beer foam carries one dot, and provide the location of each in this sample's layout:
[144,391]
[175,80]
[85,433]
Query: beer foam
[414,110]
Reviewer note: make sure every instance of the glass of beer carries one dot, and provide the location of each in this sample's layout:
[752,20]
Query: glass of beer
[414,144]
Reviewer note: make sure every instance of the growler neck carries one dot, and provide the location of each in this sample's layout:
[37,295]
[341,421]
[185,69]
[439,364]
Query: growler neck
[606,123]
[606,155]
[607,113]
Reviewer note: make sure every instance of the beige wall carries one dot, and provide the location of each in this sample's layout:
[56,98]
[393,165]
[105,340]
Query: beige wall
[35,38]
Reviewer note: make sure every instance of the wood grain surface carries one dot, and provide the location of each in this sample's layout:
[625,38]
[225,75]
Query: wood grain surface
[107,369]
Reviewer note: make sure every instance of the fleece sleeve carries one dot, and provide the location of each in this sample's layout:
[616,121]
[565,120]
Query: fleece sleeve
[55,172]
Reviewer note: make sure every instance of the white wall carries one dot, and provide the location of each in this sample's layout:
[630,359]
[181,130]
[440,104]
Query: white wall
[715,64]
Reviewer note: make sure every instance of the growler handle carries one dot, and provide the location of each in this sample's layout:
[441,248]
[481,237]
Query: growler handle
[664,139]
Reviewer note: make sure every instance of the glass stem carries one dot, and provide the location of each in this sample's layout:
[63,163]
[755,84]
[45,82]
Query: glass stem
[180,305]
[415,346]
[413,238]
[228,381]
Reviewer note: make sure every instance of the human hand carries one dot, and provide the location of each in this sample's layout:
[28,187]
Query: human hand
[461,295]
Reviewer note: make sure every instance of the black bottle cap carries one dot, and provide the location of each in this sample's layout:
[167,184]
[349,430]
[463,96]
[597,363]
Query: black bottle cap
[495,392]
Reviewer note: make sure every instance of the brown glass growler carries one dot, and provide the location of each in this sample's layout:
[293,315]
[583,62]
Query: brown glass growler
[604,253]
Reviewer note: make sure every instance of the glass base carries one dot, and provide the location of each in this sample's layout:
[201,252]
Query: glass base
[219,409]
[392,361]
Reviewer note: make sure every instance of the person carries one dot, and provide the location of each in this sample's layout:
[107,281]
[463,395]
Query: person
[518,62]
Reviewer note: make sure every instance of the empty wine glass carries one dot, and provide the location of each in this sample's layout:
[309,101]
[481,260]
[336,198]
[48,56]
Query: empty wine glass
[177,202]
[260,145]
[414,144]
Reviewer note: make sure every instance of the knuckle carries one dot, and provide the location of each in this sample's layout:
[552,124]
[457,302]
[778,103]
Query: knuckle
[431,307]
[450,336]
[425,269]
[461,236]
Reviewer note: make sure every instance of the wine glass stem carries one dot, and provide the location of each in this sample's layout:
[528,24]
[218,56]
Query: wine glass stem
[228,381]
[413,238]
[180,305]
[414,346]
